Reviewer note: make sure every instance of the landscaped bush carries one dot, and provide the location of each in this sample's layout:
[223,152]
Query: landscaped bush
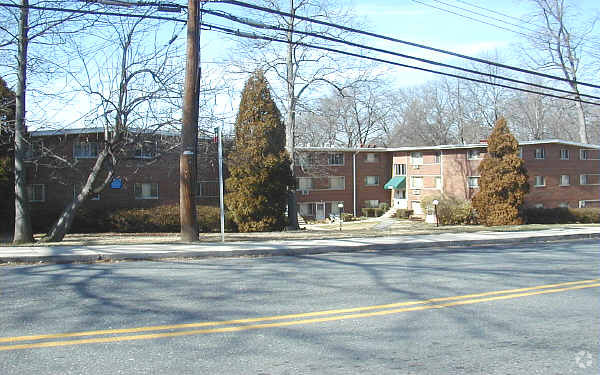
[384,206]
[378,212]
[561,215]
[349,217]
[403,213]
[450,210]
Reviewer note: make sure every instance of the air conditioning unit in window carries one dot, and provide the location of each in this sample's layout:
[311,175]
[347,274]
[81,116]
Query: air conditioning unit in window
[416,166]
[304,192]
[417,192]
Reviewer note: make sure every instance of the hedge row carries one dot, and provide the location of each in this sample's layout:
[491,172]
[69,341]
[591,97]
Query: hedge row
[161,219]
[561,215]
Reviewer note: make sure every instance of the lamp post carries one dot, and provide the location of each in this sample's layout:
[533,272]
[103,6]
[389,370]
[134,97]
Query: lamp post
[341,207]
[435,204]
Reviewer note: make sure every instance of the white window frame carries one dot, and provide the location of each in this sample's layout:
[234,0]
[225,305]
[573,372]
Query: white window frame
[470,179]
[140,151]
[583,179]
[416,178]
[371,157]
[200,190]
[564,154]
[416,158]
[370,203]
[474,154]
[334,155]
[537,180]
[437,182]
[539,153]
[308,183]
[562,180]
[400,168]
[584,155]
[376,183]
[31,193]
[343,183]
[139,186]
[437,157]
[88,147]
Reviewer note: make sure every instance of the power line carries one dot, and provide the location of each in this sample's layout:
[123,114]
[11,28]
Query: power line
[94,12]
[242,34]
[396,40]
[427,61]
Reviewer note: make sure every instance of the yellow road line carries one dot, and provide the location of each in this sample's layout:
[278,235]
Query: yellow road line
[281,317]
[305,321]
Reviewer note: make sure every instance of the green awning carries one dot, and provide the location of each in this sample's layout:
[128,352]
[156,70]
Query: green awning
[398,182]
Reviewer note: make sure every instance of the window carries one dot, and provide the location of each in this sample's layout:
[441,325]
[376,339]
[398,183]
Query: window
[371,180]
[372,203]
[473,182]
[588,155]
[589,179]
[307,209]
[146,150]
[400,169]
[565,180]
[438,157]
[207,189]
[84,150]
[564,154]
[371,157]
[540,181]
[416,182]
[146,191]
[33,150]
[304,183]
[539,153]
[337,183]
[416,158]
[336,159]
[36,193]
[539,205]
[474,154]
[438,182]
[77,189]
[306,159]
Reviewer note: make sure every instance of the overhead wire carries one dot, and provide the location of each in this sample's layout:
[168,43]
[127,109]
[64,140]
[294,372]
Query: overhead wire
[243,34]
[362,46]
[412,44]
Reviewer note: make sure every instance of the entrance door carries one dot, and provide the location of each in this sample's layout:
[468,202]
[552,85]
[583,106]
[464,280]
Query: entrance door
[400,199]
[320,211]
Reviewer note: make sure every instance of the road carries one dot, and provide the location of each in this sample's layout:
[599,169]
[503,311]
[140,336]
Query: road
[528,309]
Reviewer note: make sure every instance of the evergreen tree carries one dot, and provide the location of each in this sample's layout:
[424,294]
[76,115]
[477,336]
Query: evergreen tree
[259,166]
[7,178]
[503,182]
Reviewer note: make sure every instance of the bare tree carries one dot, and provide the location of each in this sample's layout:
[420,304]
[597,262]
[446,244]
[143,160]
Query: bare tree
[561,47]
[135,84]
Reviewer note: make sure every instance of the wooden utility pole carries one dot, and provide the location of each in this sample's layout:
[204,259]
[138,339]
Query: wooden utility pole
[189,130]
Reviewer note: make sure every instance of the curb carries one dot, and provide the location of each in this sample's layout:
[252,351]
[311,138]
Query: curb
[283,250]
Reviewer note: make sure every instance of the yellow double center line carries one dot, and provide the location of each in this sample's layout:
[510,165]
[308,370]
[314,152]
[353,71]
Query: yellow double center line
[116,335]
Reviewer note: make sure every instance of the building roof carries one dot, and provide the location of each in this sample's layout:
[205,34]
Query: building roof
[69,131]
[442,147]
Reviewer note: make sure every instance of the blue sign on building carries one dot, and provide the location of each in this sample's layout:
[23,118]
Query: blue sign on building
[116,183]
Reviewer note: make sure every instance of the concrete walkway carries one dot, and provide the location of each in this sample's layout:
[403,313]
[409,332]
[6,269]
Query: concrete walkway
[91,253]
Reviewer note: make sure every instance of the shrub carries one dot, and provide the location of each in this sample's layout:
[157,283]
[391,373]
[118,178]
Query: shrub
[378,212]
[450,210]
[384,206]
[561,215]
[403,213]
[348,217]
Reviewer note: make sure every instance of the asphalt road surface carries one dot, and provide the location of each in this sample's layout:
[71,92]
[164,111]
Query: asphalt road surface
[529,309]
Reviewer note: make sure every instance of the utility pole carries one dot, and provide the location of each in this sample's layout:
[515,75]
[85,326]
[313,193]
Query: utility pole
[189,131]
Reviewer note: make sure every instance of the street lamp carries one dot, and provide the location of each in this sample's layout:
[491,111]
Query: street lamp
[435,204]
[341,207]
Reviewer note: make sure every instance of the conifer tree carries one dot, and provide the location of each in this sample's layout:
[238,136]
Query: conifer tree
[259,166]
[503,182]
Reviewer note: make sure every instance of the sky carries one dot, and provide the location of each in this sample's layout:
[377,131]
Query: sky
[411,20]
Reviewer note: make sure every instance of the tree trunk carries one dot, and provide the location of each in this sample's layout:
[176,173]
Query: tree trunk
[63,224]
[290,123]
[23,231]
[583,138]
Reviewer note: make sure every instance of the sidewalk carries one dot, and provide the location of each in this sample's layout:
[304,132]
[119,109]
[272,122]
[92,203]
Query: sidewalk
[92,253]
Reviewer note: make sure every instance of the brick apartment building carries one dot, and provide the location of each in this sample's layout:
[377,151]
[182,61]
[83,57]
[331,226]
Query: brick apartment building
[561,173]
